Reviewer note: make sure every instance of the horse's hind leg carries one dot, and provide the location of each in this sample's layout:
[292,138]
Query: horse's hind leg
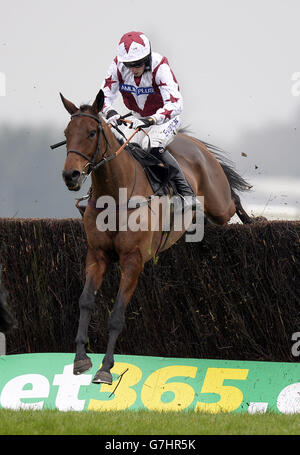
[131,267]
[96,265]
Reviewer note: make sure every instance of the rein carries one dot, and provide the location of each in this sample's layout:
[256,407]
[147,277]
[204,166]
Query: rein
[91,163]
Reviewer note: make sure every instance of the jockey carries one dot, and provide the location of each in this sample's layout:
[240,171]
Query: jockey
[150,90]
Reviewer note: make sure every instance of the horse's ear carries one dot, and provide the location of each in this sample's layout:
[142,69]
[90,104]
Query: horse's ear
[98,103]
[71,108]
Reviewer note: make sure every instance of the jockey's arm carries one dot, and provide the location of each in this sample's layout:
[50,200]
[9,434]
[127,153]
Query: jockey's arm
[110,87]
[172,98]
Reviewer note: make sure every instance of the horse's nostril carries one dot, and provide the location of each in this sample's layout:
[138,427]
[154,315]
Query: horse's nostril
[75,175]
[71,176]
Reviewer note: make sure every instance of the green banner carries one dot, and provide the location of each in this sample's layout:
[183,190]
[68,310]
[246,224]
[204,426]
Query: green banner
[46,381]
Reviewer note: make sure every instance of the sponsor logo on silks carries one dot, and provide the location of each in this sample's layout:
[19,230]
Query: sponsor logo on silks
[136,90]
[171,129]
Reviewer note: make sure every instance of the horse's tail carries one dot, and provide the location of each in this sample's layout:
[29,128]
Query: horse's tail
[237,182]
[6,318]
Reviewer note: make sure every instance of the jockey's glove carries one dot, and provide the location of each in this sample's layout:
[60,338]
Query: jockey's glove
[142,123]
[113,118]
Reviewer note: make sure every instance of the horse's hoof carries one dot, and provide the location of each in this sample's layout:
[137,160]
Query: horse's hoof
[80,366]
[102,377]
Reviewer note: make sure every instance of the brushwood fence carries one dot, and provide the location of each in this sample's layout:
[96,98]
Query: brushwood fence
[235,295]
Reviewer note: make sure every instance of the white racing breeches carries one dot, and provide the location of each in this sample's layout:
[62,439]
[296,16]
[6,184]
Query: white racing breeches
[159,135]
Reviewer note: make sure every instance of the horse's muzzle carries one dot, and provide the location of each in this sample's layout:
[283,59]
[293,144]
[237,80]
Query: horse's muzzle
[72,179]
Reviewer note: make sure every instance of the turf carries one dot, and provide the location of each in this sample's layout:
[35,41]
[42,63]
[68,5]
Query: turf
[53,422]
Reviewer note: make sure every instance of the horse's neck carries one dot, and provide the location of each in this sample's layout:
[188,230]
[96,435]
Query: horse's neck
[114,174]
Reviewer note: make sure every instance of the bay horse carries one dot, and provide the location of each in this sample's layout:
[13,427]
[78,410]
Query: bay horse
[92,148]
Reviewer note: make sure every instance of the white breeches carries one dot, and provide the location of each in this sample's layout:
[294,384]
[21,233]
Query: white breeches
[160,135]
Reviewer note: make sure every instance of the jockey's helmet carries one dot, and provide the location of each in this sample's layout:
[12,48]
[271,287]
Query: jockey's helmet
[134,50]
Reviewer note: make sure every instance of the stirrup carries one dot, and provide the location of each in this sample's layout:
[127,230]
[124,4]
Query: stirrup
[187,203]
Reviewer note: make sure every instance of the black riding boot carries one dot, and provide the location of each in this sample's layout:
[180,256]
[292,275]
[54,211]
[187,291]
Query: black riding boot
[176,173]
[177,176]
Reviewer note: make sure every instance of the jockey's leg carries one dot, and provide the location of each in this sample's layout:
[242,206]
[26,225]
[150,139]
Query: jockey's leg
[160,136]
[176,174]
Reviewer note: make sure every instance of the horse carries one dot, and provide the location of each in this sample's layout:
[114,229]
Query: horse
[92,148]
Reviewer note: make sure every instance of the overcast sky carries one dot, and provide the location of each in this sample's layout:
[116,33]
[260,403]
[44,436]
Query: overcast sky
[234,59]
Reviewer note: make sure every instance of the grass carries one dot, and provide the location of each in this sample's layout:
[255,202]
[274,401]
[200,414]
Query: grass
[54,422]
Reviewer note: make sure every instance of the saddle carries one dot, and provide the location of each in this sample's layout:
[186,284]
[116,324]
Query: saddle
[156,172]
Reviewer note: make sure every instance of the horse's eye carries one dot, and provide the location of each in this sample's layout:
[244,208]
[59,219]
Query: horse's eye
[92,134]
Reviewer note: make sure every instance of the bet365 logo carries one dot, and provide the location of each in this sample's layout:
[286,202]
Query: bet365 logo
[2,84]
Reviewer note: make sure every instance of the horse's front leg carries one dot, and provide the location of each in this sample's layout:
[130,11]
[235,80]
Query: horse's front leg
[131,267]
[96,265]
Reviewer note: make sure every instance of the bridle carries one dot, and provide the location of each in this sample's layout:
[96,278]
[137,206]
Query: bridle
[92,163]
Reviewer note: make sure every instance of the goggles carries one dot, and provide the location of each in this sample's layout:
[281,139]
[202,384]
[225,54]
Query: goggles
[137,64]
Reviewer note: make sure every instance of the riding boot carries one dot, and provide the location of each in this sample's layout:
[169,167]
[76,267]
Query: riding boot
[177,176]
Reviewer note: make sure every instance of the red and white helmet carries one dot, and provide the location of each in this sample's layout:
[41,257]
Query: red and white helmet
[133,47]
